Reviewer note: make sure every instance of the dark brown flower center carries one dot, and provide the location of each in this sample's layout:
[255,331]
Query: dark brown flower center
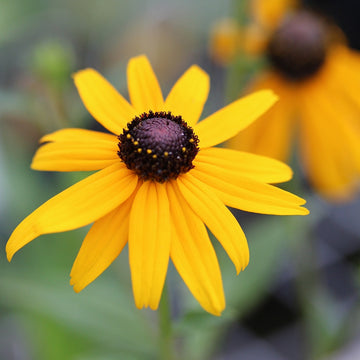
[298,47]
[158,146]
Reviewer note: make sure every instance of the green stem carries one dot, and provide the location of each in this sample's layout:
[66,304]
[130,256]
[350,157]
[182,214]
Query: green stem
[165,327]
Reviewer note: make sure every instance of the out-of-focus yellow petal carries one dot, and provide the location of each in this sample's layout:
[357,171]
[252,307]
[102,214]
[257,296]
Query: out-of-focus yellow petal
[101,246]
[248,194]
[344,70]
[211,210]
[102,100]
[242,164]
[77,206]
[149,243]
[75,156]
[144,89]
[193,254]
[329,144]
[227,122]
[189,94]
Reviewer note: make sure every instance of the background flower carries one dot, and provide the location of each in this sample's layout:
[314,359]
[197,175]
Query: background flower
[315,74]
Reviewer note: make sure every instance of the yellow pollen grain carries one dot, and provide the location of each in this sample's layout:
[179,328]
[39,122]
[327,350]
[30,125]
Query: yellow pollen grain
[136,143]
[183,149]
[139,150]
[166,153]
[154,156]
[148,151]
[191,140]
[128,136]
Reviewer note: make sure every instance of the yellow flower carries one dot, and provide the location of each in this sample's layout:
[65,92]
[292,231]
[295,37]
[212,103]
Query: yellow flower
[225,41]
[318,81]
[228,38]
[268,13]
[159,183]
[264,17]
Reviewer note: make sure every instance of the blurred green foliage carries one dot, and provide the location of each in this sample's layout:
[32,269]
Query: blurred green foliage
[41,44]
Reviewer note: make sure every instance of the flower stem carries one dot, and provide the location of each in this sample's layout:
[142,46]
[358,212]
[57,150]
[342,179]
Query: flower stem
[165,327]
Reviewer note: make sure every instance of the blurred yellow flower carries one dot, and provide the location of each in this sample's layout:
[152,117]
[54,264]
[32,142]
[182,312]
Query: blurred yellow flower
[318,81]
[160,181]
[225,40]
[228,38]
[264,17]
[268,13]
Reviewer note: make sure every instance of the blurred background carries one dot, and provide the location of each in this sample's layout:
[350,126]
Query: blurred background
[299,296]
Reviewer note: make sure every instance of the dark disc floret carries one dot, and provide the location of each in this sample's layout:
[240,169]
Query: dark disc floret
[158,146]
[297,49]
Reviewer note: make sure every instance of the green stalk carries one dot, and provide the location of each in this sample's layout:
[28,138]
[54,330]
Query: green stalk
[165,327]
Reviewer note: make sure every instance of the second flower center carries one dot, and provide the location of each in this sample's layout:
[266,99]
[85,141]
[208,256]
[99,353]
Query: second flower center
[298,47]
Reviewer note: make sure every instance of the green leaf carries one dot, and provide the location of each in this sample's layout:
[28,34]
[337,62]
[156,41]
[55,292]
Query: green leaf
[104,314]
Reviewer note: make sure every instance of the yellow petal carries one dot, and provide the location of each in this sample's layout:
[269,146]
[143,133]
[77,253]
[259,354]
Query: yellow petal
[257,167]
[73,134]
[330,144]
[144,89]
[149,243]
[77,206]
[101,246]
[249,195]
[103,101]
[189,94]
[193,254]
[211,210]
[75,156]
[227,122]
[317,157]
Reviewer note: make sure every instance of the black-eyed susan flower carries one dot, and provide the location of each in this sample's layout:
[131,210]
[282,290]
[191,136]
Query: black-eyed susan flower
[230,39]
[318,81]
[160,183]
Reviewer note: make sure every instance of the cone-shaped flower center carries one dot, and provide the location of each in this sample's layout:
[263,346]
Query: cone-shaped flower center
[158,146]
[298,47]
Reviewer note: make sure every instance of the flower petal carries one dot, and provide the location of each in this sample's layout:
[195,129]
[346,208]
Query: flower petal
[257,167]
[330,144]
[77,206]
[101,246]
[149,243]
[211,210]
[193,254]
[144,89]
[189,94]
[103,101]
[75,156]
[73,134]
[227,122]
[345,64]
[248,194]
